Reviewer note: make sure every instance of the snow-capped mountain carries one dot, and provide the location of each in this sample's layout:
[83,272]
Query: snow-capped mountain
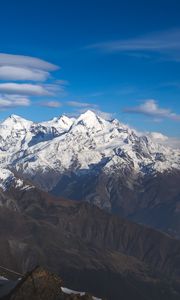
[62,124]
[78,144]
[92,159]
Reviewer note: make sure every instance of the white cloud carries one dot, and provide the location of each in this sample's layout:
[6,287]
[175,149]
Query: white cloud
[53,104]
[54,88]
[80,104]
[24,89]
[22,73]
[172,142]
[151,108]
[26,61]
[162,139]
[8,101]
[166,42]
[105,115]
[158,136]
[62,82]
[18,72]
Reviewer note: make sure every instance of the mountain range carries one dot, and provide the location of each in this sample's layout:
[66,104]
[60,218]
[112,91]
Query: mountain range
[72,192]
[103,162]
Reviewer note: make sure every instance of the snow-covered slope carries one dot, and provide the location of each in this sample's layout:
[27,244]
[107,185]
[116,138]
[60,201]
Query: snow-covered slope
[72,292]
[62,124]
[64,144]
[9,180]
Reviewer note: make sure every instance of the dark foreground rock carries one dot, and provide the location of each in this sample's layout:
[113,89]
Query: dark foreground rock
[40,284]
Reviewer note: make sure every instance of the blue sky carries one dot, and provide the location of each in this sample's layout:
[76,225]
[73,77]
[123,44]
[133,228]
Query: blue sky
[120,58]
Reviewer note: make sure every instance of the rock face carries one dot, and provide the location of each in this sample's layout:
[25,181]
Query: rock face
[40,284]
[88,248]
[101,162]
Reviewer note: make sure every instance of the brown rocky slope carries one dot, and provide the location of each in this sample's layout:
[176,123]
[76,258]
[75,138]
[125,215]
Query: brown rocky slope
[90,249]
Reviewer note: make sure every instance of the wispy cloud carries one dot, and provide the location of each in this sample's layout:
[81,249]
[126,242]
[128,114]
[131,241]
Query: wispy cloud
[53,104]
[61,82]
[127,90]
[151,108]
[171,84]
[25,76]
[80,104]
[27,68]
[22,74]
[9,101]
[104,114]
[167,42]
[162,139]
[24,89]
[93,95]
[26,61]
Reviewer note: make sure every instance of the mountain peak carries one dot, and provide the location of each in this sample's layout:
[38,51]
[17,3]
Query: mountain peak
[65,119]
[13,116]
[90,120]
[16,122]
[64,122]
[61,117]
[61,123]
[88,114]
[17,118]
